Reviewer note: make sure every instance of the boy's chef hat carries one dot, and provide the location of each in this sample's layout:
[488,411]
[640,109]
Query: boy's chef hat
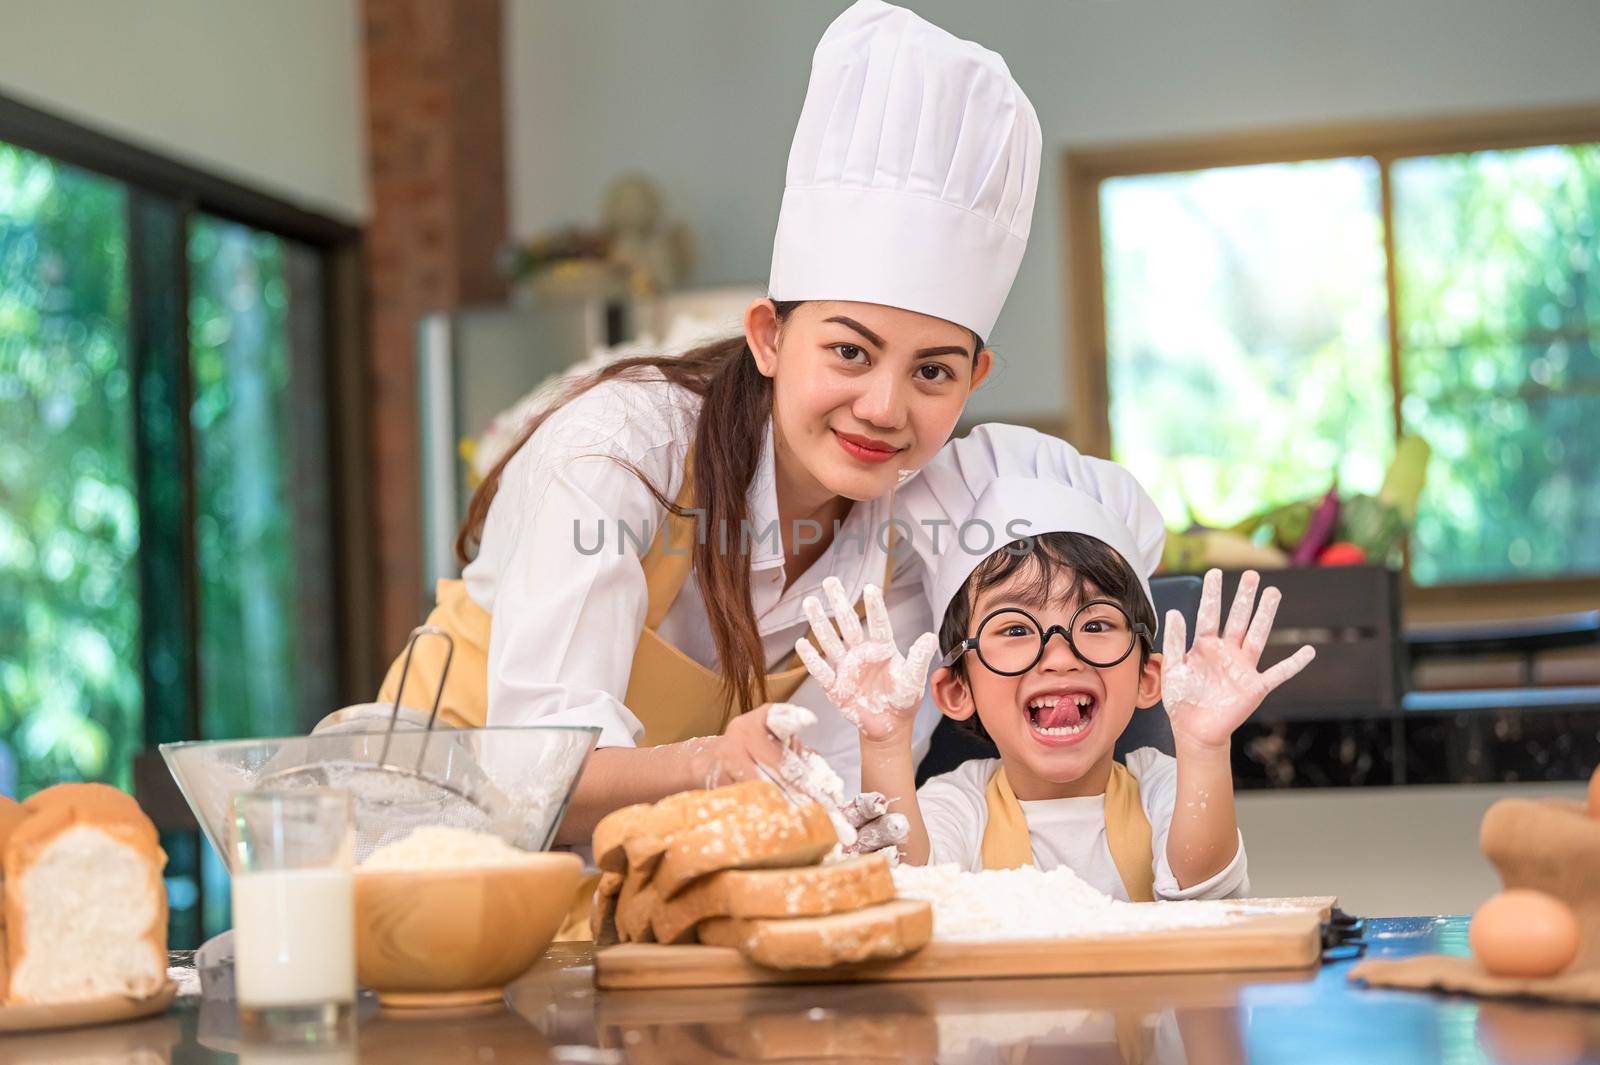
[912,175]
[1004,482]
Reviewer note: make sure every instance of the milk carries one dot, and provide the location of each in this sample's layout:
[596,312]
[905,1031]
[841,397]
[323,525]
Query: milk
[294,937]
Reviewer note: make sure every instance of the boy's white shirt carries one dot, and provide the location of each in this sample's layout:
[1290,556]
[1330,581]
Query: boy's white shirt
[1070,832]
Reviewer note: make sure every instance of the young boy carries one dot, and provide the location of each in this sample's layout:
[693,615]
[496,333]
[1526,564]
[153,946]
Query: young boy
[1049,649]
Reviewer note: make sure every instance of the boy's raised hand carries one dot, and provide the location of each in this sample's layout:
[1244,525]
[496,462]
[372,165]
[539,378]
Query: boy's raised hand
[1213,687]
[876,688]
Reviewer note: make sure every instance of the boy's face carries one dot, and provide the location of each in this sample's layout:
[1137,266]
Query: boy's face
[1057,724]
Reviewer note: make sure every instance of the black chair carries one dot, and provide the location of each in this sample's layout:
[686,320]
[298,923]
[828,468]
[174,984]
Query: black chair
[952,744]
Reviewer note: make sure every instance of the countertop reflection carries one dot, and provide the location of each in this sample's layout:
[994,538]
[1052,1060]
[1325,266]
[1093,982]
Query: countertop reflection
[554,1014]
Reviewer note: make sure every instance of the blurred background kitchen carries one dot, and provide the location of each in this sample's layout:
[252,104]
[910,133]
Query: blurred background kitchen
[276,279]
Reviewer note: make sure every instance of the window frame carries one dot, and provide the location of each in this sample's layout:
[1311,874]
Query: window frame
[170,193]
[1085,168]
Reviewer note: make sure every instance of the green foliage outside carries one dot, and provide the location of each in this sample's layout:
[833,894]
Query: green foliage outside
[70,654]
[240,364]
[1499,279]
[70,692]
[1247,347]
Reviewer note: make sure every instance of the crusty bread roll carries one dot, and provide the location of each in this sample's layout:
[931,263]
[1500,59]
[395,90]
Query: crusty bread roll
[96,796]
[85,903]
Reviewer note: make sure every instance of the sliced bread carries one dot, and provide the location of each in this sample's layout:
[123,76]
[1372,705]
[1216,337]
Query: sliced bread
[612,831]
[646,825]
[757,835]
[808,891]
[603,910]
[888,930]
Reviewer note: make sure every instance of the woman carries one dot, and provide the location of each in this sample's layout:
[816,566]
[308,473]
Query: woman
[908,200]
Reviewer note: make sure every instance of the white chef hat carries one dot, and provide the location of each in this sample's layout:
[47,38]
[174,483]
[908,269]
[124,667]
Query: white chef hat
[912,175]
[1005,482]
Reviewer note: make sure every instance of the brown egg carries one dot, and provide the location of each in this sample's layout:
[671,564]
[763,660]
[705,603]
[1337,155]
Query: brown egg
[1524,933]
[1594,795]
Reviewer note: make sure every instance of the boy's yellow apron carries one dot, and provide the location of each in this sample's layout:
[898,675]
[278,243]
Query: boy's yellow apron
[674,697]
[1006,844]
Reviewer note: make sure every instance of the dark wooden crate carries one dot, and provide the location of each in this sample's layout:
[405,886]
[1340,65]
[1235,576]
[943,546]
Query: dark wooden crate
[1351,615]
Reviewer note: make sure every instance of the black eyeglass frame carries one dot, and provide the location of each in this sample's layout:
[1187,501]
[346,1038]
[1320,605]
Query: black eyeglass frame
[1139,629]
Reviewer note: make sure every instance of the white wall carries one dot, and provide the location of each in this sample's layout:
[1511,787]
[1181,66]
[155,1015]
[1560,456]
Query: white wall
[703,94]
[1384,852]
[268,94]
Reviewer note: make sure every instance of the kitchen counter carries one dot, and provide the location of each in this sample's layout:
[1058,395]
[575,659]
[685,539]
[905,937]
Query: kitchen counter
[555,1015]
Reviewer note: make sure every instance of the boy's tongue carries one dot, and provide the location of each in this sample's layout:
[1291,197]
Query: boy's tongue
[1062,715]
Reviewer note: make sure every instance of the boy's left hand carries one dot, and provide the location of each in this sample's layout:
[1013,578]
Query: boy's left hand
[1213,687]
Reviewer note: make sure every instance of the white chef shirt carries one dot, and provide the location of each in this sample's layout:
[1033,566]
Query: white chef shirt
[566,622]
[1070,832]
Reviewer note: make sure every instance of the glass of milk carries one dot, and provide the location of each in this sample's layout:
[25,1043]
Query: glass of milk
[294,914]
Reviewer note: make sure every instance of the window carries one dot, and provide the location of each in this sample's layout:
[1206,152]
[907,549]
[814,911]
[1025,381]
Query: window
[1259,317]
[1498,270]
[167,470]
[70,690]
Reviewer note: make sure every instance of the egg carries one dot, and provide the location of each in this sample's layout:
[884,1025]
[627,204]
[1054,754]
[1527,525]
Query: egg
[1524,933]
[1594,795]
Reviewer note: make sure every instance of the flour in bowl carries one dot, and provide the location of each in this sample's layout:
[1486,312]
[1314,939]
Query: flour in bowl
[431,847]
[1025,903]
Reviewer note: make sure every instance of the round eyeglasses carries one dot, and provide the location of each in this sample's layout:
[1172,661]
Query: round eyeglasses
[1011,641]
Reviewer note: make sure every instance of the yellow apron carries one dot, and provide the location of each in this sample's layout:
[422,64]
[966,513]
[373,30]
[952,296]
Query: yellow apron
[674,697]
[1005,836]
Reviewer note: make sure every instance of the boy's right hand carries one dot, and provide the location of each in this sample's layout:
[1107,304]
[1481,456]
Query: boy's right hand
[876,688]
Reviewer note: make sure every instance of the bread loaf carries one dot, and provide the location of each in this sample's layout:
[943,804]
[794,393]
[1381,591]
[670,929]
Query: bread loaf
[603,911]
[809,891]
[634,904]
[12,814]
[647,825]
[888,930]
[763,835]
[85,903]
[738,867]
[612,831]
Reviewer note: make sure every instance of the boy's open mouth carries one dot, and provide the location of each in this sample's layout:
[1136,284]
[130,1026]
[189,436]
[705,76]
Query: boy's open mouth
[1060,718]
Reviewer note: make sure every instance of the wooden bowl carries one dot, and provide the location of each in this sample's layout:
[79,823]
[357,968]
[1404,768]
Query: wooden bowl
[454,938]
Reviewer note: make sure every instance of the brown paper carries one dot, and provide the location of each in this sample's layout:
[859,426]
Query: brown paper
[1551,846]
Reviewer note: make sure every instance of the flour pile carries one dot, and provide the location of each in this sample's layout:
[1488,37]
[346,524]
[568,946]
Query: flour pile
[1028,904]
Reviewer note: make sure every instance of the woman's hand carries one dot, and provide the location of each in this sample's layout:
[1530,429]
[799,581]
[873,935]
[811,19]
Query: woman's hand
[874,687]
[735,755]
[1213,687]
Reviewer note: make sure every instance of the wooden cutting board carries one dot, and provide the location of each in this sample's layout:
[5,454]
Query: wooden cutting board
[1288,935]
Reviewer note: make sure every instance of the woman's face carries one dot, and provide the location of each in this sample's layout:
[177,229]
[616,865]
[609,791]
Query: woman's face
[861,391]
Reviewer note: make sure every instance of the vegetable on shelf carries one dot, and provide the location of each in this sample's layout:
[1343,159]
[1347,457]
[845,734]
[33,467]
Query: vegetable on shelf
[1320,532]
[1201,549]
[1341,553]
[1329,530]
